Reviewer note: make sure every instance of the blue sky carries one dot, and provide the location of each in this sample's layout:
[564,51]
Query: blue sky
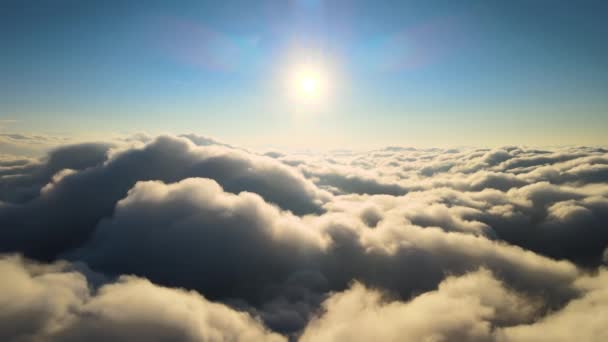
[420,73]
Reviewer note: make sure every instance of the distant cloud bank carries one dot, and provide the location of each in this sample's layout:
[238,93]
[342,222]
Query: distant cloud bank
[184,238]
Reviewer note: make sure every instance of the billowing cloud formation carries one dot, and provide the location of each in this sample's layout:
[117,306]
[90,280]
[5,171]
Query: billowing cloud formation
[391,240]
[186,225]
[21,179]
[69,207]
[473,307]
[54,303]
[461,309]
[583,319]
[193,222]
[552,202]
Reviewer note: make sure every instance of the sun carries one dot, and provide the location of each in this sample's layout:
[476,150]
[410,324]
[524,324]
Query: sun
[309,84]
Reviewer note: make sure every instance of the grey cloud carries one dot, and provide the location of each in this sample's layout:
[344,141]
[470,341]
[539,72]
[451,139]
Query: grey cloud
[196,220]
[200,140]
[358,185]
[22,182]
[274,154]
[49,224]
[537,159]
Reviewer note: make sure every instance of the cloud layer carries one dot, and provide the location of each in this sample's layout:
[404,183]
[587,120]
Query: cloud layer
[54,303]
[400,243]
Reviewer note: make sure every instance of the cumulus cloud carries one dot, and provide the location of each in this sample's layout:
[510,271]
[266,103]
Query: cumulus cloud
[22,179]
[58,302]
[465,308]
[218,242]
[472,307]
[174,233]
[49,224]
[306,242]
[514,192]
[582,319]
[55,303]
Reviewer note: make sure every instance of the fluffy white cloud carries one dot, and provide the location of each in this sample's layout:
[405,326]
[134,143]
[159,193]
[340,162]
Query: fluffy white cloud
[278,234]
[472,307]
[463,308]
[583,319]
[228,246]
[61,302]
[54,303]
[195,234]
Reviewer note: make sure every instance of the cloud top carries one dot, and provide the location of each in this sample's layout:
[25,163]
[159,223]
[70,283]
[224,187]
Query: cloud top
[187,238]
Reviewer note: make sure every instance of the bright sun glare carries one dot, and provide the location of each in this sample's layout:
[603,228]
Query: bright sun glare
[309,84]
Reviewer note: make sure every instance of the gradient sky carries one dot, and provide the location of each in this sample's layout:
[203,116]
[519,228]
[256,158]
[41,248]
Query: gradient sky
[418,73]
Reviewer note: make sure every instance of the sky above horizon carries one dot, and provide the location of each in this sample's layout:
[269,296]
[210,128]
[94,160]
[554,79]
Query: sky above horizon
[411,73]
